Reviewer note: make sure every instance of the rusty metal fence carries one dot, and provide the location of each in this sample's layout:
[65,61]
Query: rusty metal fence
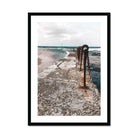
[83,59]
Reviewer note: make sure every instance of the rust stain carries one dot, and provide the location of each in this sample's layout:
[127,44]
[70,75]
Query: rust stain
[82,80]
[80,69]
[87,95]
[82,87]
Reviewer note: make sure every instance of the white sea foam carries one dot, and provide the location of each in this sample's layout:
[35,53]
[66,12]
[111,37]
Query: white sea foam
[67,53]
[48,63]
[45,60]
[94,49]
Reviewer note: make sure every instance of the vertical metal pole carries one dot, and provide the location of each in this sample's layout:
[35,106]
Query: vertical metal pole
[81,54]
[85,53]
[88,63]
[78,55]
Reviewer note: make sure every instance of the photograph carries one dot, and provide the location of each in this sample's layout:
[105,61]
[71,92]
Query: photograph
[65,69]
[69,68]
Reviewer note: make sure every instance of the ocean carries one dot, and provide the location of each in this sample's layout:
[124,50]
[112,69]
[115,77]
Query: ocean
[59,52]
[90,47]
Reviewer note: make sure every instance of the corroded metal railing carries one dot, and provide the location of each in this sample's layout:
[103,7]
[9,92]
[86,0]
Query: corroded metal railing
[83,59]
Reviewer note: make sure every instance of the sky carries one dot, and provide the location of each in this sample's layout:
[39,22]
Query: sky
[68,33]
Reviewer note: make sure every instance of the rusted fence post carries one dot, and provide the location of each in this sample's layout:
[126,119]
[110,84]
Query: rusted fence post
[78,54]
[85,51]
[82,55]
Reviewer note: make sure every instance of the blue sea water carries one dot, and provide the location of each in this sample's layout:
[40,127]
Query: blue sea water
[91,47]
[96,77]
[60,53]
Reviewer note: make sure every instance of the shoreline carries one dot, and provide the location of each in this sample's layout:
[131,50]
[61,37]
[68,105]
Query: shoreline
[59,92]
[67,53]
[53,66]
[61,63]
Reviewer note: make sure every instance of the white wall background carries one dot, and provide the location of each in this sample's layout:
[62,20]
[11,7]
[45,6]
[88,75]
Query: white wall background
[13,70]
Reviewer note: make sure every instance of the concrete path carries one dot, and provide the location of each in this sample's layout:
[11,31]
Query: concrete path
[59,92]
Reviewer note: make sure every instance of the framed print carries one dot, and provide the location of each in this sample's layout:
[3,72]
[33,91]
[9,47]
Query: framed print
[69,69]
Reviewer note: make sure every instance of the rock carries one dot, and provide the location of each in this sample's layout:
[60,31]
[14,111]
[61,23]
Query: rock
[94,53]
[97,69]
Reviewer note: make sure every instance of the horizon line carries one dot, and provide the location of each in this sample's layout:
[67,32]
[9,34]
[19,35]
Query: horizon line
[64,46]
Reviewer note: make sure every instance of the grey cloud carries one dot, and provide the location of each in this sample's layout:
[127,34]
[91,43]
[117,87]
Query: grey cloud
[51,33]
[55,29]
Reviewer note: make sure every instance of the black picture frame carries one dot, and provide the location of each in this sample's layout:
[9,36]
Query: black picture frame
[108,15]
